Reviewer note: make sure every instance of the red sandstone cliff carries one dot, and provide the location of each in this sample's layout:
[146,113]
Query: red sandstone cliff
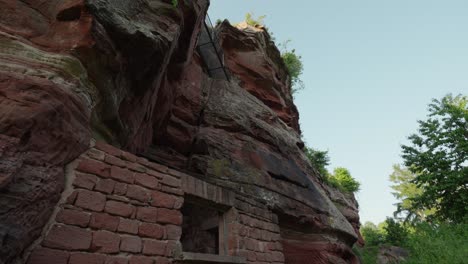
[127,72]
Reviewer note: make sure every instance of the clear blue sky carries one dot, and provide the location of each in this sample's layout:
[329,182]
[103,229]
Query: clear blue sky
[370,70]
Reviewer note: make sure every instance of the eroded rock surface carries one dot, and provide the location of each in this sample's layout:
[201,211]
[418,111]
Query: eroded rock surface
[128,72]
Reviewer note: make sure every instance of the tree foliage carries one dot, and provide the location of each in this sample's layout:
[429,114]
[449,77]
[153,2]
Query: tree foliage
[372,234]
[254,22]
[442,243]
[319,159]
[438,156]
[395,233]
[342,177]
[406,192]
[294,66]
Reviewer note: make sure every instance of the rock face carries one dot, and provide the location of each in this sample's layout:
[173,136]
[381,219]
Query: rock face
[128,73]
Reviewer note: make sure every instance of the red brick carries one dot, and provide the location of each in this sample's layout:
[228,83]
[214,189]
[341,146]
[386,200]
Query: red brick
[136,167]
[151,230]
[161,199]
[256,233]
[146,180]
[90,200]
[68,237]
[141,260]
[155,166]
[105,186]
[156,174]
[86,258]
[173,232]
[120,188]
[48,256]
[122,175]
[72,197]
[277,256]
[95,154]
[105,242]
[177,174]
[154,247]
[147,214]
[115,161]
[116,260]
[85,181]
[168,216]
[108,148]
[130,244]
[104,221]
[119,208]
[128,226]
[168,189]
[260,256]
[138,193]
[173,247]
[73,217]
[94,167]
[171,181]
[251,256]
[162,260]
[128,156]
[251,244]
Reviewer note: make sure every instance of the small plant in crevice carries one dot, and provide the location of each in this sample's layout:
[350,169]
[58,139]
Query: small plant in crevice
[175,3]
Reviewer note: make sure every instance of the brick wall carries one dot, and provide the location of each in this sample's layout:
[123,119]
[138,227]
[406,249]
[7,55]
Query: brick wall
[257,232]
[121,209]
[117,208]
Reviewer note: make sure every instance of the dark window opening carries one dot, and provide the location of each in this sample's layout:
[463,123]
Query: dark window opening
[200,229]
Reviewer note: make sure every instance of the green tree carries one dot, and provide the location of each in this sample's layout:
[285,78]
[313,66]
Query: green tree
[319,159]
[372,234]
[340,178]
[395,233]
[344,179]
[438,156]
[406,192]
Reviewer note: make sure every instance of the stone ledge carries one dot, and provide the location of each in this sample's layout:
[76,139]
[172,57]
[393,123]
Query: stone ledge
[188,257]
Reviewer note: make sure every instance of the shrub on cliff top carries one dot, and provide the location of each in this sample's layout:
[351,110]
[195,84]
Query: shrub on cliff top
[290,58]
[342,179]
[294,66]
[254,22]
[319,159]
